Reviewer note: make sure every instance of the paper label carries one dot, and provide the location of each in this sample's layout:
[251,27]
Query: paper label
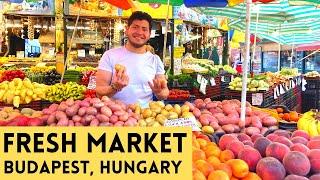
[183,122]
[275,95]
[232,77]
[153,34]
[92,82]
[212,81]
[286,87]
[281,89]
[199,78]
[222,79]
[203,86]
[81,53]
[92,52]
[257,99]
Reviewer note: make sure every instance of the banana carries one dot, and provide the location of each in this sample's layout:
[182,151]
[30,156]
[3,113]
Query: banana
[312,128]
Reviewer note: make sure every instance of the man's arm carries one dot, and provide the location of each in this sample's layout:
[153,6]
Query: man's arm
[103,88]
[164,93]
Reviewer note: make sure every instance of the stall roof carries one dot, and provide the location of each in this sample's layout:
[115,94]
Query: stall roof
[309,47]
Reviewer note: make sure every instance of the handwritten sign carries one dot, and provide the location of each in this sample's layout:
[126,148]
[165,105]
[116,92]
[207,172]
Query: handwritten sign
[257,99]
[183,122]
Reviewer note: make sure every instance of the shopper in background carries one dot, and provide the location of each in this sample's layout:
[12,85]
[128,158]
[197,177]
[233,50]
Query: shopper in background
[143,76]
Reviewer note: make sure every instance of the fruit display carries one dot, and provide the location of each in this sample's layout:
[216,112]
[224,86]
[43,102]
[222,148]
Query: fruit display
[177,94]
[253,85]
[59,92]
[90,93]
[9,75]
[229,69]
[289,116]
[157,113]
[280,155]
[86,77]
[224,116]
[209,162]
[41,69]
[289,72]
[51,77]
[25,117]
[72,76]
[89,59]
[84,69]
[309,122]
[20,91]
[90,112]
[275,78]
[312,74]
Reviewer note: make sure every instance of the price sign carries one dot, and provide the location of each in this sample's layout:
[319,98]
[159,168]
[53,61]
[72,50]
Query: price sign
[212,81]
[199,78]
[92,82]
[203,86]
[257,99]
[183,122]
[81,53]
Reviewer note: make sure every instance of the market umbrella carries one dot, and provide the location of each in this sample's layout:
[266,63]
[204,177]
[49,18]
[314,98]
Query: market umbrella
[122,4]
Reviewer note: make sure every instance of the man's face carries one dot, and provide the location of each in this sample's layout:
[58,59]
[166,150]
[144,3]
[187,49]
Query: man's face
[138,33]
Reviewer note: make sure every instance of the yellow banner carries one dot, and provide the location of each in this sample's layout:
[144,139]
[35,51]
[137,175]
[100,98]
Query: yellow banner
[156,11]
[95,153]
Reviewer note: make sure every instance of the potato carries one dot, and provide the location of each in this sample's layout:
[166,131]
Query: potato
[71,123]
[196,112]
[206,112]
[62,107]
[228,128]
[161,118]
[82,111]
[190,105]
[63,122]
[98,105]
[119,113]
[136,116]
[102,118]
[172,115]
[187,115]
[94,101]
[78,124]
[91,111]
[94,122]
[161,104]
[60,115]
[69,102]
[215,125]
[204,121]
[105,124]
[51,119]
[207,129]
[252,130]
[119,124]
[177,109]
[168,107]
[269,121]
[150,120]
[156,109]
[131,123]
[113,119]
[207,117]
[106,111]
[137,110]
[156,124]
[115,107]
[124,117]
[164,112]
[84,104]
[76,118]
[142,123]
[185,108]
[211,105]
[89,117]
[71,111]
[153,104]
[146,113]
[236,128]
[53,124]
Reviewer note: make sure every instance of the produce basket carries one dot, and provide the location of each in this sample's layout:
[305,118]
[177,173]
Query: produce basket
[45,104]
[211,91]
[180,102]
[35,105]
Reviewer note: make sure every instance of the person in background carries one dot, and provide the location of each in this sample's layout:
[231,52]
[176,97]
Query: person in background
[142,75]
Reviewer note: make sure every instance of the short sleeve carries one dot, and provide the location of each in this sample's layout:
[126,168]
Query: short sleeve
[160,66]
[105,63]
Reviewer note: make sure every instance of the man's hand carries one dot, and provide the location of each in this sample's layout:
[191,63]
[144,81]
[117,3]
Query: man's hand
[120,79]
[159,87]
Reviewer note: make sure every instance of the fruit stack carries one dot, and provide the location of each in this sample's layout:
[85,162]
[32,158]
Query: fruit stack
[309,122]
[60,92]
[71,76]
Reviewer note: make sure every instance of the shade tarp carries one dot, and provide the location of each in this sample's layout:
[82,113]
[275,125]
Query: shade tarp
[309,47]
[172,2]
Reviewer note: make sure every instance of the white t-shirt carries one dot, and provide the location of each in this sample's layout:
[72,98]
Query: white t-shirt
[141,68]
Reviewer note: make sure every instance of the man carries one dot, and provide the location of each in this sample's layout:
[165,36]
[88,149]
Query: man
[143,76]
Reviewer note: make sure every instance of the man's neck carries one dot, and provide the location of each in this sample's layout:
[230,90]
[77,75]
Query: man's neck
[140,50]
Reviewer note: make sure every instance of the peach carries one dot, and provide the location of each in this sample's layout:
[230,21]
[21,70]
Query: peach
[315,165]
[204,167]
[314,144]
[295,177]
[197,175]
[277,150]
[261,145]
[249,143]
[283,140]
[251,157]
[299,139]
[315,177]
[296,163]
[300,148]
[315,137]
[270,168]
[235,146]
[314,154]
[225,140]
[243,137]
[300,133]
[255,137]
[281,132]
[272,137]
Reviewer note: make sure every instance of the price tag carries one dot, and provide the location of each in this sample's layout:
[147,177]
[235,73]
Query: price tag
[212,81]
[275,95]
[257,99]
[183,122]
[92,52]
[303,84]
[232,77]
[286,87]
[199,78]
[92,82]
[203,86]
[281,89]
[153,34]
[81,53]
[51,51]
[293,84]
[222,79]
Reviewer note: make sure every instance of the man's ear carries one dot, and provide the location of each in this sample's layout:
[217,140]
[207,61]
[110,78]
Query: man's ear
[126,29]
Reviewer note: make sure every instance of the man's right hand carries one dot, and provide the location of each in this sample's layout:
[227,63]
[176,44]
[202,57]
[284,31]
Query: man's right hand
[120,79]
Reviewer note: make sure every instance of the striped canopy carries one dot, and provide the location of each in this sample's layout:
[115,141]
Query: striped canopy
[278,21]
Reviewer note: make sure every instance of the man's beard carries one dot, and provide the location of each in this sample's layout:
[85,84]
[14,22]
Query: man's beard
[135,45]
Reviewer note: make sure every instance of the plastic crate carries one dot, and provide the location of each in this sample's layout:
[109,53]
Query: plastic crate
[313,84]
[35,105]
[45,104]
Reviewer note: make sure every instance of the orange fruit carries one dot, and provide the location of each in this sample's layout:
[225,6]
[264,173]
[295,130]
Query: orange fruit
[293,116]
[212,150]
[197,175]
[233,178]
[218,175]
[280,115]
[204,167]
[214,161]
[203,143]
[226,168]
[226,155]
[279,110]
[195,144]
[286,116]
[251,176]
[239,167]
[198,154]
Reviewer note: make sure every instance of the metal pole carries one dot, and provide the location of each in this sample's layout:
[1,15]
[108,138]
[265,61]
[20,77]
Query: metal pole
[292,52]
[245,66]
[165,33]
[255,39]
[279,49]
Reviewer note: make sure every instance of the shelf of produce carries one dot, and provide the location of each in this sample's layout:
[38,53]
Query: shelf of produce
[35,105]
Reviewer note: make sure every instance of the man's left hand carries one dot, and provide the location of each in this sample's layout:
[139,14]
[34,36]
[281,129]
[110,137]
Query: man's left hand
[159,87]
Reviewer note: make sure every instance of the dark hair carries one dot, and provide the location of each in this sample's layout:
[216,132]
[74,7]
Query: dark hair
[139,15]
